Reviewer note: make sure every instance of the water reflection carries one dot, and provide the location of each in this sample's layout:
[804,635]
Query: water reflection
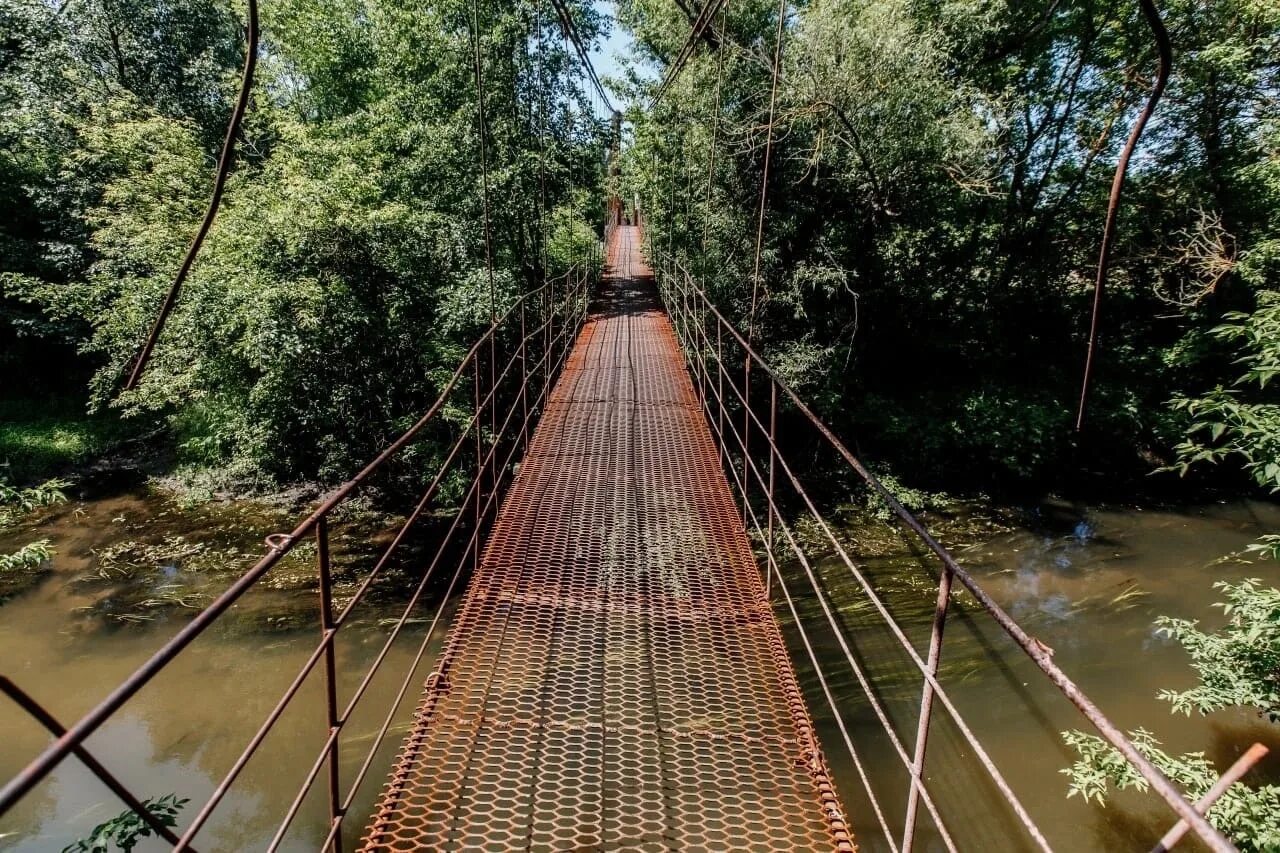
[184,731]
[1088,583]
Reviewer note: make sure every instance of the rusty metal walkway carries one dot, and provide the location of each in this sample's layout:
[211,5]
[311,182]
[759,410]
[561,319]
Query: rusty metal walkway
[615,678]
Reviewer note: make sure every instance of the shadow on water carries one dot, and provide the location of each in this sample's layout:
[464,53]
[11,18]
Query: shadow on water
[130,567]
[1089,583]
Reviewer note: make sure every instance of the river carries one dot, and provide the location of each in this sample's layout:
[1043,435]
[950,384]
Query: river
[1087,581]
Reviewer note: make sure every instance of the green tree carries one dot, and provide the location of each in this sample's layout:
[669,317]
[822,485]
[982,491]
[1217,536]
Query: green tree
[937,189]
[346,269]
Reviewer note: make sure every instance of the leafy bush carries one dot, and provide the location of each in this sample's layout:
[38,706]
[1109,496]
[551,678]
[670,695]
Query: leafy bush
[1241,422]
[27,557]
[1238,665]
[1245,814]
[126,829]
[15,502]
[346,271]
[915,500]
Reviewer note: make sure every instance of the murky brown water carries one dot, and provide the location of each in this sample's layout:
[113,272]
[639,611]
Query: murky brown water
[1088,582]
[68,641]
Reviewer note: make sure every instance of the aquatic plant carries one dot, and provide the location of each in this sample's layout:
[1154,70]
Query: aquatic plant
[27,557]
[1239,666]
[15,502]
[1245,814]
[915,500]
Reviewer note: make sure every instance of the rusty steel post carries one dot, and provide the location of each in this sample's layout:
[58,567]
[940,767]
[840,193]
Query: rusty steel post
[720,390]
[682,317]
[671,229]
[493,401]
[327,632]
[524,383]
[746,431]
[551,338]
[479,478]
[773,454]
[686,321]
[926,704]
[1234,773]
[699,340]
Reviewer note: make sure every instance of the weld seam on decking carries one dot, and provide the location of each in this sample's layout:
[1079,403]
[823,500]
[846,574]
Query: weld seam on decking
[614,677]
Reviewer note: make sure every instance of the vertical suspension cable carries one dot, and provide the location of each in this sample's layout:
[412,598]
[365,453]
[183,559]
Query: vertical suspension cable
[484,155]
[711,154]
[488,262]
[215,200]
[1165,50]
[542,144]
[764,178]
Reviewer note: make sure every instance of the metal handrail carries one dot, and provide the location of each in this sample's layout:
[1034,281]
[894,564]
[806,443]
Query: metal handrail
[692,310]
[562,302]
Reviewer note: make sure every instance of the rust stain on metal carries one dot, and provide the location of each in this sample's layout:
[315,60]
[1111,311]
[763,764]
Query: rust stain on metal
[615,677]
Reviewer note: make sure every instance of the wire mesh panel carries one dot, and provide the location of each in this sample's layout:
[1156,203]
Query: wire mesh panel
[614,678]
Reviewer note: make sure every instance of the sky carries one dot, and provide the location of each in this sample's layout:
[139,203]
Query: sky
[607,55]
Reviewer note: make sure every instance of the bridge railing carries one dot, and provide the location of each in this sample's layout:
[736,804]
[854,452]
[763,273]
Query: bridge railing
[482,420]
[747,403]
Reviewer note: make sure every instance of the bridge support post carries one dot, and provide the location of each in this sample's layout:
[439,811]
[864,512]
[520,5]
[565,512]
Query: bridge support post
[550,308]
[926,705]
[328,632]
[773,455]
[524,384]
[746,434]
[720,391]
[479,478]
[695,338]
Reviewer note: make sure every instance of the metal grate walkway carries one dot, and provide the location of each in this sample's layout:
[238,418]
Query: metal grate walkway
[614,678]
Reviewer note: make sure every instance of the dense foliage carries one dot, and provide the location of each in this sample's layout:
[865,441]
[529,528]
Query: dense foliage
[937,186]
[1244,813]
[1241,423]
[934,205]
[1238,663]
[347,264]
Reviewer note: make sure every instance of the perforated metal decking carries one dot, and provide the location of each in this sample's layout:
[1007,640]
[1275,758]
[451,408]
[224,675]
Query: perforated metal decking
[614,678]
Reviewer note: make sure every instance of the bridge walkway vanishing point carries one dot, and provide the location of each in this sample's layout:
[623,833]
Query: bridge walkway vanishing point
[614,677]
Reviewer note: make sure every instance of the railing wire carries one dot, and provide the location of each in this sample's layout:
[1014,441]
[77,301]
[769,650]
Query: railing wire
[723,361]
[533,338]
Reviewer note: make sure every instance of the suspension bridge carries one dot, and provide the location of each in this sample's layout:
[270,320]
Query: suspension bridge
[615,676]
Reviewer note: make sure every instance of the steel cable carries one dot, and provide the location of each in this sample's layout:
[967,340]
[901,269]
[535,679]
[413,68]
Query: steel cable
[219,185]
[700,24]
[1164,63]
[1035,650]
[571,32]
[764,177]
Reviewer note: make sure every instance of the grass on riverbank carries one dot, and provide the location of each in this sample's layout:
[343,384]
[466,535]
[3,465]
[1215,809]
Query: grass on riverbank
[41,437]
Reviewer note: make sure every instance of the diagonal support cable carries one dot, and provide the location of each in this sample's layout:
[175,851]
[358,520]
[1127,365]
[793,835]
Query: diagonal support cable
[1161,36]
[219,185]
[571,30]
